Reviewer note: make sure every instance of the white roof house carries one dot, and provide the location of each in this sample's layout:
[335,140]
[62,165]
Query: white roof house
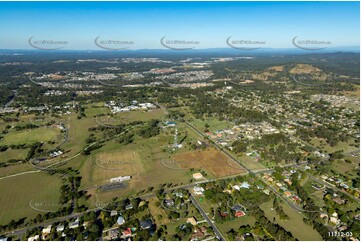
[47,230]
[33,238]
[59,228]
[197,175]
[120,220]
[198,190]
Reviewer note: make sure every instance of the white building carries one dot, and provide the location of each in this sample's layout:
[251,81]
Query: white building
[198,190]
[120,179]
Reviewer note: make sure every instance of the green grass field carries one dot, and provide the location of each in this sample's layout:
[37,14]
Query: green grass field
[92,110]
[329,149]
[30,136]
[214,124]
[17,154]
[14,169]
[294,224]
[251,163]
[145,168]
[17,192]
[78,133]
[128,117]
[236,223]
[317,196]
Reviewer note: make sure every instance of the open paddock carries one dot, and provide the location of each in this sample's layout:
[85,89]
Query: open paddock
[17,192]
[138,115]
[210,159]
[141,160]
[30,136]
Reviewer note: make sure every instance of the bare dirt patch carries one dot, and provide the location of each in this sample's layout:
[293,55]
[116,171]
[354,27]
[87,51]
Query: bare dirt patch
[276,68]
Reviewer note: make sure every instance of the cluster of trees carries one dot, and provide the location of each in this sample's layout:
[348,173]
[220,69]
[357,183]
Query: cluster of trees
[26,126]
[331,133]
[126,138]
[239,146]
[5,95]
[89,149]
[277,232]
[150,129]
[277,147]
[34,150]
[209,106]
[279,210]
[70,193]
[81,112]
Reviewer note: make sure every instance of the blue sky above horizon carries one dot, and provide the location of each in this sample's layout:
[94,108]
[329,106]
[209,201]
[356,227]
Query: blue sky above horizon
[209,23]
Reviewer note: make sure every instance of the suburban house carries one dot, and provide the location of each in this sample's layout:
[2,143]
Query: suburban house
[169,202]
[192,221]
[197,176]
[146,224]
[120,220]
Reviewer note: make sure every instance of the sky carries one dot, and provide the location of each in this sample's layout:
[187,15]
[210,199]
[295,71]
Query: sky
[206,24]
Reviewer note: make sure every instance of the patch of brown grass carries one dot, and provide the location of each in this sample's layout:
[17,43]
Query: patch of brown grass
[156,210]
[211,159]
[304,69]
[276,68]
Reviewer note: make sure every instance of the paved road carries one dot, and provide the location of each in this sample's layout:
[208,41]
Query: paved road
[205,216]
[12,99]
[288,202]
[20,232]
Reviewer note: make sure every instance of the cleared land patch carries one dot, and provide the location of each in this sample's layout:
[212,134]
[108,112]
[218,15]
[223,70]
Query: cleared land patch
[119,163]
[211,159]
